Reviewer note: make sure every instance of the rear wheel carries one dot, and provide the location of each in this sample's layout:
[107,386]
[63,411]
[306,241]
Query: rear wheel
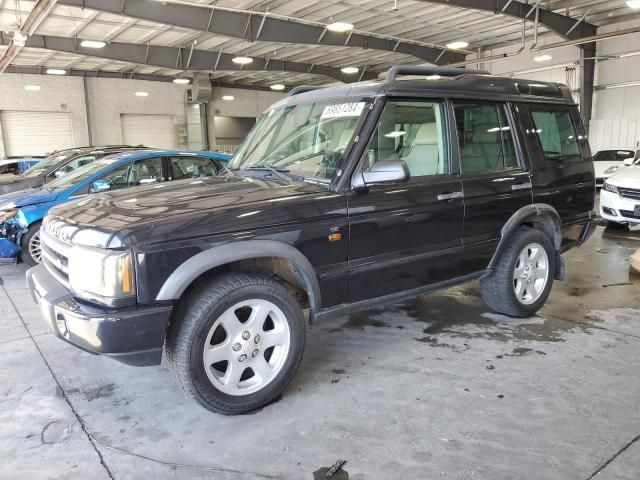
[236,342]
[31,252]
[523,277]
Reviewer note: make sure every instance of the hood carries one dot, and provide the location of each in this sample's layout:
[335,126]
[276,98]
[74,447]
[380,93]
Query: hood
[184,207]
[12,183]
[628,177]
[28,196]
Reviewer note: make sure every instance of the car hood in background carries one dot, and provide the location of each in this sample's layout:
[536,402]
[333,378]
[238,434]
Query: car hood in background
[13,183]
[28,196]
[628,177]
[601,167]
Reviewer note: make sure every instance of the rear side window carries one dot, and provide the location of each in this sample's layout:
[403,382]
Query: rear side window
[485,138]
[192,167]
[556,134]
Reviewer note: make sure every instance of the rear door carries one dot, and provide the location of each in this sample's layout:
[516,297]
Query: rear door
[495,177]
[407,235]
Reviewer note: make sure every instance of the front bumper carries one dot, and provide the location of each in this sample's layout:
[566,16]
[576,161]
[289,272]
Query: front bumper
[134,336]
[615,208]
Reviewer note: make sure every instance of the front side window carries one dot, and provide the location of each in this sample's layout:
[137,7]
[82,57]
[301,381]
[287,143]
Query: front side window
[412,131]
[73,165]
[556,134]
[192,167]
[306,140]
[140,172]
[485,138]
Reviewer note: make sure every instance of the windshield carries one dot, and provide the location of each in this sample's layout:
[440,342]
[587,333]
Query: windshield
[82,173]
[613,155]
[302,140]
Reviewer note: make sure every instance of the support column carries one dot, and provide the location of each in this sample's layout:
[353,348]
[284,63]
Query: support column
[587,78]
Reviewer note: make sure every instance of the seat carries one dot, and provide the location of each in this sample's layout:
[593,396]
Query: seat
[423,156]
[484,153]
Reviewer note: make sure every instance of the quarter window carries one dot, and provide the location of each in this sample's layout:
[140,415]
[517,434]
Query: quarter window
[413,132]
[556,135]
[485,138]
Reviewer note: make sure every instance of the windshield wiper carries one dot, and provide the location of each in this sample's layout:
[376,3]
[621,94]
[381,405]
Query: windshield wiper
[279,172]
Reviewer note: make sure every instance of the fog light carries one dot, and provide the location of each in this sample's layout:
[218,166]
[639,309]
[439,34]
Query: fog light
[610,211]
[62,325]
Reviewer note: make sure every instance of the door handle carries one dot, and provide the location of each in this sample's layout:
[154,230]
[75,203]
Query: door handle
[521,186]
[450,195]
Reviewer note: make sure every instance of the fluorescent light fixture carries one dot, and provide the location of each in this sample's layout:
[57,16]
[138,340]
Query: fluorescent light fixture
[340,27]
[622,85]
[433,77]
[92,44]
[32,88]
[56,71]
[278,87]
[395,134]
[635,4]
[457,45]
[181,81]
[228,98]
[242,60]
[543,58]
[142,94]
[350,70]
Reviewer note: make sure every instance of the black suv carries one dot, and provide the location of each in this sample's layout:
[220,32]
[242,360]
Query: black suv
[340,198]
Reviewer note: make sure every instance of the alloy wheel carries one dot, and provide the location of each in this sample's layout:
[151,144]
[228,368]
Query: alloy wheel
[531,273]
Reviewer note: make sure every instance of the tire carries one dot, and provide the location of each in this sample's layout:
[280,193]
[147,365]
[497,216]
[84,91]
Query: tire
[30,245]
[499,289]
[224,303]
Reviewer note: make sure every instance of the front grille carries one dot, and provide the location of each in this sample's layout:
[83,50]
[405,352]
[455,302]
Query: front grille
[629,193]
[629,214]
[55,256]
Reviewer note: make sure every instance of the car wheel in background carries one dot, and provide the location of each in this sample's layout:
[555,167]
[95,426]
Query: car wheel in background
[31,252]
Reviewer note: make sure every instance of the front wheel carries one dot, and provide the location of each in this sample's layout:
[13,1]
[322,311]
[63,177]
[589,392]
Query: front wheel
[235,342]
[523,277]
[31,252]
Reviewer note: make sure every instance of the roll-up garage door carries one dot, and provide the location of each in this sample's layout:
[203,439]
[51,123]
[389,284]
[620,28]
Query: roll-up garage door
[35,133]
[156,131]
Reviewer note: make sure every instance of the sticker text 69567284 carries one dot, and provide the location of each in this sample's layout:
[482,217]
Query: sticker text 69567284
[338,110]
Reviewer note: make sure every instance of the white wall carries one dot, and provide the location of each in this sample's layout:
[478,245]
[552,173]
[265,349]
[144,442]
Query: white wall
[57,94]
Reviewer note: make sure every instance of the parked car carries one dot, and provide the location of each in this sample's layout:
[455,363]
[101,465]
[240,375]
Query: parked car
[56,165]
[17,165]
[340,198]
[608,162]
[620,196]
[22,211]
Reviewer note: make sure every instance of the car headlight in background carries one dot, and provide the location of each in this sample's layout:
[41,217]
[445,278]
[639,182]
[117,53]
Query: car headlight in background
[105,273]
[611,170]
[610,188]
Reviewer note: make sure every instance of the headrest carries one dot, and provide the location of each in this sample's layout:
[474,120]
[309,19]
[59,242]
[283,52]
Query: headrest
[427,134]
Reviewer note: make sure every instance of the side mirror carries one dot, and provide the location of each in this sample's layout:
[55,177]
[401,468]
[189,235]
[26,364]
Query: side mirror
[629,161]
[100,186]
[383,172]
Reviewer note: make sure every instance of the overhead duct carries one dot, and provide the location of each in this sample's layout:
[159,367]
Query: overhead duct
[201,89]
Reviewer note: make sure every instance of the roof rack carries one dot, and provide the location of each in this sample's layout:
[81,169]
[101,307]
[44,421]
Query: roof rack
[302,89]
[394,72]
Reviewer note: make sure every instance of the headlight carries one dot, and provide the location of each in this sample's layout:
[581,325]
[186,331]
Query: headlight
[105,273]
[610,188]
[611,170]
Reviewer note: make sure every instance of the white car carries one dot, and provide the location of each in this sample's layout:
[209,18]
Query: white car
[620,195]
[608,162]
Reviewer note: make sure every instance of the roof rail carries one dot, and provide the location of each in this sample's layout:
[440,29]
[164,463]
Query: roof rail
[394,72]
[302,89]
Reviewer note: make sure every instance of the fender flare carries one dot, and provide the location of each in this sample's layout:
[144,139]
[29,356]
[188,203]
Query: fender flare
[535,211]
[221,255]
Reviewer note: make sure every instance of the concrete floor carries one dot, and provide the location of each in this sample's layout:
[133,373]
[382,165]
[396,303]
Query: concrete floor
[437,387]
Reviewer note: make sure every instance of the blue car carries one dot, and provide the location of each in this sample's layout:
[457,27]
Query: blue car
[21,212]
[17,165]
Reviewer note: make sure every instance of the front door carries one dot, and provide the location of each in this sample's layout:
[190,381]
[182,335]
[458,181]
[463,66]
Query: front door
[404,236]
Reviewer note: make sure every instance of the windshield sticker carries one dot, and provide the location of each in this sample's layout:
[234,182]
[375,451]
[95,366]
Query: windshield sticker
[343,110]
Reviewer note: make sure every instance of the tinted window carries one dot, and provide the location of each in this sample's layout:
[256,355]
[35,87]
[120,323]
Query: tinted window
[141,172]
[485,139]
[413,132]
[556,134]
[192,167]
[613,155]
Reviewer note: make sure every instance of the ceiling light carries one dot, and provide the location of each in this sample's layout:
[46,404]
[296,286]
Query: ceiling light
[32,88]
[543,58]
[19,38]
[278,87]
[181,81]
[395,134]
[457,45]
[56,71]
[433,77]
[635,4]
[142,94]
[92,44]
[350,70]
[242,60]
[340,27]
[228,98]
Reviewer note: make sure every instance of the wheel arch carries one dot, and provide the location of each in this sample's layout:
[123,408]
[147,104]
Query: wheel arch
[537,215]
[266,256]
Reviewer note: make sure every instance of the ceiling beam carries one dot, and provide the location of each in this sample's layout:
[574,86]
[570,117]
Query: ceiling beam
[181,58]
[557,23]
[260,27]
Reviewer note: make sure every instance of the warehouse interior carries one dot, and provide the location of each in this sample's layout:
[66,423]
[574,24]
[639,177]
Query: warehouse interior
[438,386]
